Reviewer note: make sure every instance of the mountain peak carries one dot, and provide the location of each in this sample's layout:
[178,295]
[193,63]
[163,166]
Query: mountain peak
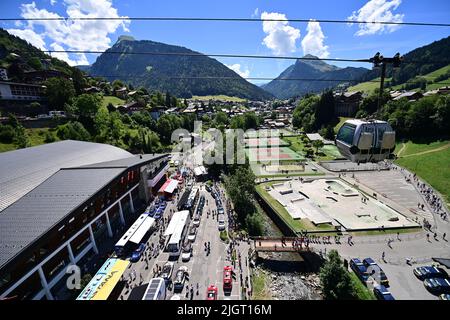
[310,56]
[125,38]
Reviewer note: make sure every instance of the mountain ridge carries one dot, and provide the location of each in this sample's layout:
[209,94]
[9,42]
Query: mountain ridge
[310,69]
[178,74]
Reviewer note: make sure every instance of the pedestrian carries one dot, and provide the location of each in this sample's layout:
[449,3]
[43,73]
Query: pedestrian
[383,255]
[444,235]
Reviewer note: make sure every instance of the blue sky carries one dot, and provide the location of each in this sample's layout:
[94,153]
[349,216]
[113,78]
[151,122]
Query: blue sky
[282,38]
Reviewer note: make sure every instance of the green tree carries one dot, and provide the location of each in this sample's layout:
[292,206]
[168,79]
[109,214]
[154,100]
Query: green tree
[241,187]
[254,225]
[221,118]
[335,280]
[60,92]
[73,130]
[324,111]
[35,63]
[317,144]
[88,104]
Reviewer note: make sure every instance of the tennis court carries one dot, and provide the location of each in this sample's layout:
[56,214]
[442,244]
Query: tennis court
[264,142]
[273,154]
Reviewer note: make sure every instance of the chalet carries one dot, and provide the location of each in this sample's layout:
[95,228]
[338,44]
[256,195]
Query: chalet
[121,92]
[131,107]
[157,112]
[92,90]
[40,76]
[410,95]
[346,104]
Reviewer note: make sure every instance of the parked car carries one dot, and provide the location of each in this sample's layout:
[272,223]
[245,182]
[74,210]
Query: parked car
[221,219]
[180,278]
[192,233]
[220,210]
[427,272]
[158,213]
[359,269]
[382,293]
[380,276]
[208,188]
[227,278]
[151,212]
[437,285]
[444,296]
[196,221]
[136,255]
[186,253]
[211,293]
[166,272]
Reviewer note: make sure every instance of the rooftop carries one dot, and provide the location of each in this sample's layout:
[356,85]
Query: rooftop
[22,170]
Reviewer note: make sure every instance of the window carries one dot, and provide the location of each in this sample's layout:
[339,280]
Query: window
[346,133]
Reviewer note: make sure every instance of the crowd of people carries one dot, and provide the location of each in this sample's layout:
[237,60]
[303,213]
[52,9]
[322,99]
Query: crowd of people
[433,200]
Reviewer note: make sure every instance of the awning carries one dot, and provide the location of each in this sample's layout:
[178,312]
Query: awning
[169,186]
[104,281]
[198,171]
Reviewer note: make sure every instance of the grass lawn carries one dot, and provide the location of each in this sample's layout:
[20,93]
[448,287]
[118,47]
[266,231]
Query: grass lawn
[111,99]
[218,97]
[367,87]
[36,137]
[412,148]
[387,231]
[362,292]
[433,167]
[330,151]
[260,285]
[296,225]
[296,144]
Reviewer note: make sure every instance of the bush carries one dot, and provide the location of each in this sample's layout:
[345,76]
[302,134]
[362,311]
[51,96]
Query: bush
[254,224]
[224,236]
[7,134]
[49,137]
[73,131]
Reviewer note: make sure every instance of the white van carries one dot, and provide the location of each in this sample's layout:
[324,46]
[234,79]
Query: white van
[156,290]
[221,219]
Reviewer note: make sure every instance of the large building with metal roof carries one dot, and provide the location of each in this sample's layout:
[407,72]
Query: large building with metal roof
[58,201]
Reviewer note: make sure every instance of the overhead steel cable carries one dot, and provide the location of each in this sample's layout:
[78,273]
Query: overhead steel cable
[427,24]
[222,55]
[247,78]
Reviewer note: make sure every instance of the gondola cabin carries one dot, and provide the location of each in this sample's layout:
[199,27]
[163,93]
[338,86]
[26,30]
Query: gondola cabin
[363,141]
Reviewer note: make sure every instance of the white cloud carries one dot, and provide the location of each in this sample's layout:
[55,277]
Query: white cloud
[312,43]
[377,10]
[255,13]
[52,2]
[281,37]
[90,35]
[82,60]
[30,36]
[237,68]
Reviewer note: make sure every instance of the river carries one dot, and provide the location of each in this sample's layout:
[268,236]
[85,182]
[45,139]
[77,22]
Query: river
[290,276]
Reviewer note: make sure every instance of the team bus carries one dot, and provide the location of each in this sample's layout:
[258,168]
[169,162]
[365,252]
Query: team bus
[156,290]
[192,199]
[176,232]
[134,235]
